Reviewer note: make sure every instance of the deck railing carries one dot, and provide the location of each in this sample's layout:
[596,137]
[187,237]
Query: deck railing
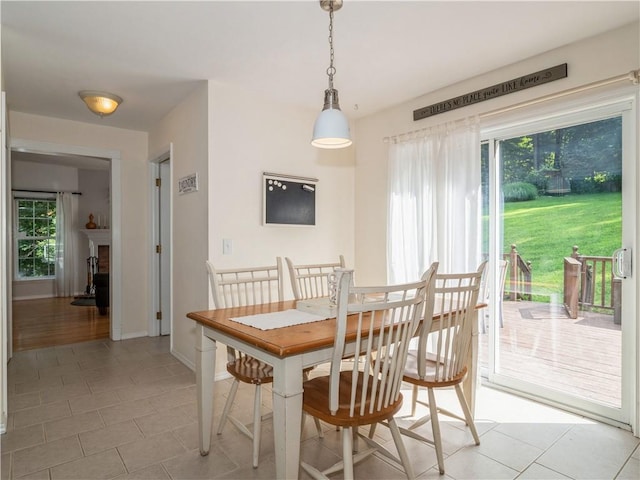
[589,283]
[518,284]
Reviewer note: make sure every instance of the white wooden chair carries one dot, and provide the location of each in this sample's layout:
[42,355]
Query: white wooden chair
[368,391]
[443,350]
[310,281]
[239,287]
[484,295]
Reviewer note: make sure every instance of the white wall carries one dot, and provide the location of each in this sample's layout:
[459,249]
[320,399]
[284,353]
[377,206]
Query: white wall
[94,185]
[132,146]
[250,136]
[186,128]
[42,176]
[597,58]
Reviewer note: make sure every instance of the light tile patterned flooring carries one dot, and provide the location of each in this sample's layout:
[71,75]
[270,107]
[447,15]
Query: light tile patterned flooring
[127,410]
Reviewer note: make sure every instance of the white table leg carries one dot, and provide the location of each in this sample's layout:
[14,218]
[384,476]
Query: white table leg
[287,413]
[205,372]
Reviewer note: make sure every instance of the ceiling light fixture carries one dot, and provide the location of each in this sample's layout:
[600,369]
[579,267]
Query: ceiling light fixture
[100,103]
[331,129]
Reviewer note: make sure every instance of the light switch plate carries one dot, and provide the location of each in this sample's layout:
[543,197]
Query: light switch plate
[226,246]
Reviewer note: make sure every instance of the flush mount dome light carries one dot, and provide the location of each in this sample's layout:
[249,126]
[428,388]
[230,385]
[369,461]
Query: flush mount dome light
[100,103]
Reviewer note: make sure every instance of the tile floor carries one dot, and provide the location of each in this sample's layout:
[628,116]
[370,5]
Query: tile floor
[127,410]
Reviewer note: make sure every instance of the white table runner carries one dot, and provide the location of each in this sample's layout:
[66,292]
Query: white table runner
[286,318]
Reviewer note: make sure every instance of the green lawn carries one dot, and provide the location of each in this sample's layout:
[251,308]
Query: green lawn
[545,230]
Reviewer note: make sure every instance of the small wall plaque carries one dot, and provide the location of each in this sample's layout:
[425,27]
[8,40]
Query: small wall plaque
[188,184]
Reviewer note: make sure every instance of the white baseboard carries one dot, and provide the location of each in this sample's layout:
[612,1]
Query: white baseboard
[188,363]
[127,336]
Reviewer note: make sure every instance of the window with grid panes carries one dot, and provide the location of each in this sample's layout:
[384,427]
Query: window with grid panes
[35,239]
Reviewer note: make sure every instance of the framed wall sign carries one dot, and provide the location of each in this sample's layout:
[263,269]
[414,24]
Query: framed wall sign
[288,200]
[188,184]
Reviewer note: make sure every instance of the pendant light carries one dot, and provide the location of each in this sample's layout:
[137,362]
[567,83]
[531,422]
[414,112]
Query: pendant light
[331,129]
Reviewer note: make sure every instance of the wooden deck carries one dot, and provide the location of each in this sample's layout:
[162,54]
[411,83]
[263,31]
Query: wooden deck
[541,344]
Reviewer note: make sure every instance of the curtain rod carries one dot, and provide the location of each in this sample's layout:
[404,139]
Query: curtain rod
[42,191]
[633,76]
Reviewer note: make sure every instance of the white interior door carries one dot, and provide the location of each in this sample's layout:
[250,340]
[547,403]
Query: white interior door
[164,260]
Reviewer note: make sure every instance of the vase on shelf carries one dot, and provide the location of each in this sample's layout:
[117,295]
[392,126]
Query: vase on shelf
[91,225]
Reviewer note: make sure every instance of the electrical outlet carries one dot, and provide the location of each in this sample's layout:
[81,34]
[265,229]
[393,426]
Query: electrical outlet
[226,246]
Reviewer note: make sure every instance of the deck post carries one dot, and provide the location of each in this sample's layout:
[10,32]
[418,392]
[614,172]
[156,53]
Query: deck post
[616,296]
[571,285]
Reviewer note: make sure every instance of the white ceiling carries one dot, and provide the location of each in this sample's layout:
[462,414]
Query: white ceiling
[153,53]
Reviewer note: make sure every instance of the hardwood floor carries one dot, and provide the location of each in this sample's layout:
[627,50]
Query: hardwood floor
[49,322]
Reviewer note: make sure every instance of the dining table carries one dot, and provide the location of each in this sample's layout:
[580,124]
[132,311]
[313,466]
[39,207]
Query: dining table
[289,349]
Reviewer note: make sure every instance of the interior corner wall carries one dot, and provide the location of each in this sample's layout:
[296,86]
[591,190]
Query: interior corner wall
[597,58]
[186,129]
[132,146]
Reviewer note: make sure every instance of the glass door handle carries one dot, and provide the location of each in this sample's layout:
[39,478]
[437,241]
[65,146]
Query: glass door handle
[622,262]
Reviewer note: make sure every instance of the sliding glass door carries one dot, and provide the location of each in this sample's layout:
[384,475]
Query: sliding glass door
[559,208]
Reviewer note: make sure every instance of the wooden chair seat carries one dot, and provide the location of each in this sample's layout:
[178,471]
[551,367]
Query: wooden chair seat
[316,402]
[250,370]
[430,379]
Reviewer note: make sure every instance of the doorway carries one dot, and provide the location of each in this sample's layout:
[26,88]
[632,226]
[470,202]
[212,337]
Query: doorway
[559,200]
[77,157]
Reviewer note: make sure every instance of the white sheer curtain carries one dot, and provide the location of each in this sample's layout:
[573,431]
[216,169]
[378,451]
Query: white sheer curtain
[434,201]
[66,226]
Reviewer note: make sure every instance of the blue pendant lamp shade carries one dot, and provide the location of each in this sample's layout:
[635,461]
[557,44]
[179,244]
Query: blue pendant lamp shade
[331,129]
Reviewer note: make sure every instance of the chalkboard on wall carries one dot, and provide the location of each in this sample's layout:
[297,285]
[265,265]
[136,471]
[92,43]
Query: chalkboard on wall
[289,200]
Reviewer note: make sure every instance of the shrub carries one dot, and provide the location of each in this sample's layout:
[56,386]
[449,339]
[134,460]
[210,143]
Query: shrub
[539,179]
[519,192]
[599,182]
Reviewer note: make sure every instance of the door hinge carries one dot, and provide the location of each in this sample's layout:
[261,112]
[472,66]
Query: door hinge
[158,248]
[158,315]
[158,182]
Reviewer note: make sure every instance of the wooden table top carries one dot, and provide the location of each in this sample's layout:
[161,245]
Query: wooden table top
[285,341]
[282,342]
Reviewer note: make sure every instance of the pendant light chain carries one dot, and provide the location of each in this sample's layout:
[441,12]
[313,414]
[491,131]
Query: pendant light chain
[331,71]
